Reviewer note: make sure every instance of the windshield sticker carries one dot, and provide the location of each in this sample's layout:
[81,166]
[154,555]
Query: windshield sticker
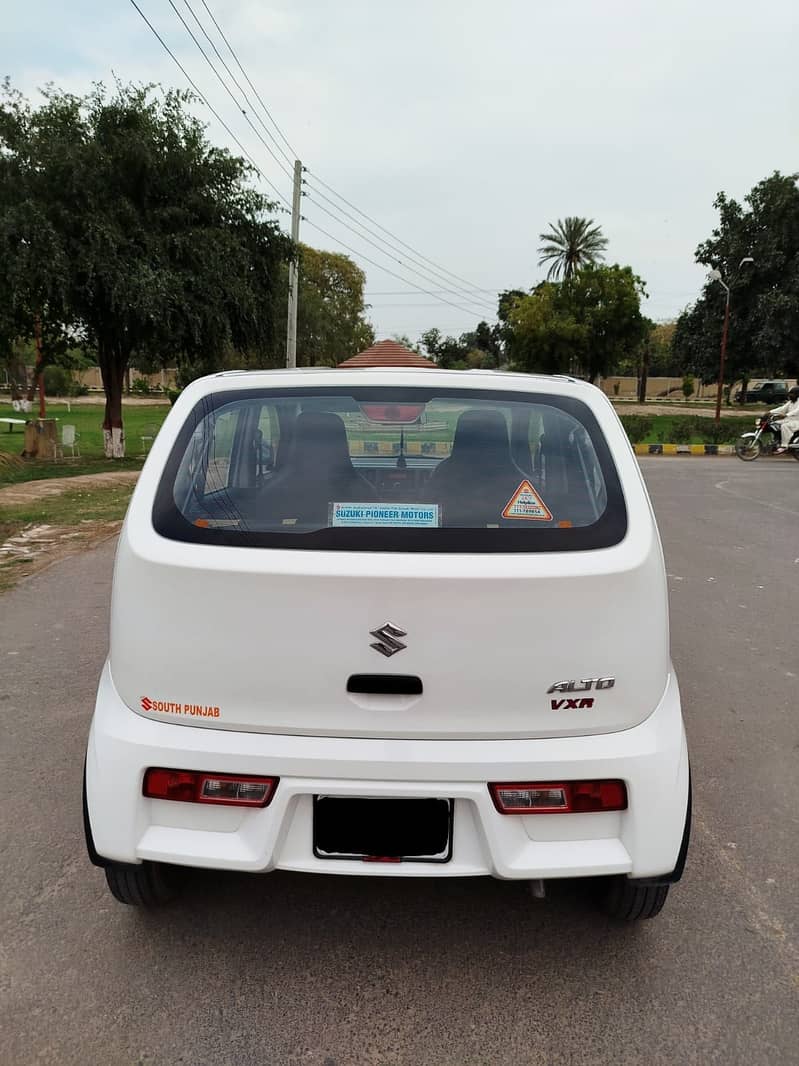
[416,515]
[526,503]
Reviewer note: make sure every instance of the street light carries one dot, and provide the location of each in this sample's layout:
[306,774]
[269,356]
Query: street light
[715,275]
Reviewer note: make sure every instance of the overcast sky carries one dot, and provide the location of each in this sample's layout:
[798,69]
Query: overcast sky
[466,126]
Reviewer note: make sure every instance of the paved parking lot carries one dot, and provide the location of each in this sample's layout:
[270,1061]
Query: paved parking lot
[333,972]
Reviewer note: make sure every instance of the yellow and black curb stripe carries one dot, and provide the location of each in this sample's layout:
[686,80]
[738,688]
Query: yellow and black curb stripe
[684,449]
[442,448]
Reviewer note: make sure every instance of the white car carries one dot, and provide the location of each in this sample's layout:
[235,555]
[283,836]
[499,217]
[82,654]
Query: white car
[428,637]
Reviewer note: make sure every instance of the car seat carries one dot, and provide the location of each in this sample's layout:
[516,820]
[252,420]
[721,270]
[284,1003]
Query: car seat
[479,478]
[317,472]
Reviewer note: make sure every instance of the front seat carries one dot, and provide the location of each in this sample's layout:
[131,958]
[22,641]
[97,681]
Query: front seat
[318,472]
[479,478]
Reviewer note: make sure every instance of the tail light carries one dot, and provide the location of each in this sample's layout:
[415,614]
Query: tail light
[197,786]
[559,797]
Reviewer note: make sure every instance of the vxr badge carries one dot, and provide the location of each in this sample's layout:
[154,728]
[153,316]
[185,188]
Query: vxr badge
[386,642]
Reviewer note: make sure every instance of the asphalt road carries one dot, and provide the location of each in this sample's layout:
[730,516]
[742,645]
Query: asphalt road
[332,972]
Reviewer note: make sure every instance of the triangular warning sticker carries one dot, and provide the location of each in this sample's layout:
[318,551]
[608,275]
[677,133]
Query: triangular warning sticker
[526,503]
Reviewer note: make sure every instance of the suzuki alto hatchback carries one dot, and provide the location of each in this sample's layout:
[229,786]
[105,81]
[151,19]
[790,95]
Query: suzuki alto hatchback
[409,623]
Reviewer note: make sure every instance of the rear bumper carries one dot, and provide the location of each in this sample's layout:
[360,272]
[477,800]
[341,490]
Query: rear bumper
[643,841]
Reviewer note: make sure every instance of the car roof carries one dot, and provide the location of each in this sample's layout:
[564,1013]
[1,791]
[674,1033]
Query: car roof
[333,377]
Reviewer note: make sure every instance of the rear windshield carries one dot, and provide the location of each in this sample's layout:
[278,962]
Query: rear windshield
[392,469]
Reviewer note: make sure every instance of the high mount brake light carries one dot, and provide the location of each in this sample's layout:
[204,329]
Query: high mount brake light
[559,797]
[198,786]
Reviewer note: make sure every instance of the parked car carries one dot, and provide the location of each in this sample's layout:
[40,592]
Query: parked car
[429,639]
[764,393]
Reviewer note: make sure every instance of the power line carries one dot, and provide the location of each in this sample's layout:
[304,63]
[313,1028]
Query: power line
[454,290]
[221,33]
[374,222]
[472,289]
[213,111]
[417,270]
[405,292]
[380,267]
[423,275]
[227,89]
[235,81]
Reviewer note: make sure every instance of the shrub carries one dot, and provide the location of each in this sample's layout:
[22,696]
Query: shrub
[173,394]
[680,430]
[688,384]
[140,386]
[637,427]
[57,381]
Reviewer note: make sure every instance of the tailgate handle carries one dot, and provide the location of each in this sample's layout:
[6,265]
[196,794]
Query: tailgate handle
[385,684]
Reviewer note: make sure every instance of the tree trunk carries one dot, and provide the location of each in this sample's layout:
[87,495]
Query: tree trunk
[112,368]
[644,375]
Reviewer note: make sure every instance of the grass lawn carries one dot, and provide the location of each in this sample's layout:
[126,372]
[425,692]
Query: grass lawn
[71,510]
[684,429]
[87,419]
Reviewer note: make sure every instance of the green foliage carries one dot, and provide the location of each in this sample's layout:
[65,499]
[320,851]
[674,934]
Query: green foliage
[589,322]
[637,427]
[331,322]
[683,429]
[477,349]
[88,420]
[764,296]
[121,224]
[688,386]
[140,386]
[569,246]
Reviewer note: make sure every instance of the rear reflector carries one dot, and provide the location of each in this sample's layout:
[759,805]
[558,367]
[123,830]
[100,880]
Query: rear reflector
[197,786]
[559,797]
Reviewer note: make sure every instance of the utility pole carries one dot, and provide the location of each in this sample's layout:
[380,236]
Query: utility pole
[723,357]
[291,331]
[715,275]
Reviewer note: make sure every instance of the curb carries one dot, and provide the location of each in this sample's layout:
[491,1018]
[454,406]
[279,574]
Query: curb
[684,449]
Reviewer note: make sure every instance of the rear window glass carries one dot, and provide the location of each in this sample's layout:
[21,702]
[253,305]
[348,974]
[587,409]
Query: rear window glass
[392,469]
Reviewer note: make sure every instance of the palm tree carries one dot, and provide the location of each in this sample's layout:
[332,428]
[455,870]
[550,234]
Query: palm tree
[570,245]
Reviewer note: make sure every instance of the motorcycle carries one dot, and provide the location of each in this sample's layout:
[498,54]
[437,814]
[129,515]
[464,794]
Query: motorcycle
[765,440]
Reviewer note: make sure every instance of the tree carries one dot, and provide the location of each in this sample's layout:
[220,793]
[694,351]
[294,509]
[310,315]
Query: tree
[447,352]
[543,333]
[331,323]
[585,324]
[570,245]
[764,297]
[606,301]
[129,228]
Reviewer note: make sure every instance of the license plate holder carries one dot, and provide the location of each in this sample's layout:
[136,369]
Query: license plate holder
[383,829]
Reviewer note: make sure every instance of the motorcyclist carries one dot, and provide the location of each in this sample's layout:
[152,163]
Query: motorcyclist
[789,412]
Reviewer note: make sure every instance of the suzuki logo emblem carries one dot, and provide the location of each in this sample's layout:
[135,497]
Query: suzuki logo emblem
[387,643]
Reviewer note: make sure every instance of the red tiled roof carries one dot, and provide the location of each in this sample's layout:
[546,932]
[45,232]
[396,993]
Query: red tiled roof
[388,353]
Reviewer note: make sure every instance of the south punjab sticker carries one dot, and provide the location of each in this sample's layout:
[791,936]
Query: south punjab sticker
[526,503]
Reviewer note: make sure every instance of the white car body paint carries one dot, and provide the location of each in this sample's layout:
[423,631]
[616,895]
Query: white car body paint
[268,637]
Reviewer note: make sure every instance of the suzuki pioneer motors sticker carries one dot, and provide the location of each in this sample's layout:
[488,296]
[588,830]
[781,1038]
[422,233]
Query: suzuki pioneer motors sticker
[526,503]
[195,710]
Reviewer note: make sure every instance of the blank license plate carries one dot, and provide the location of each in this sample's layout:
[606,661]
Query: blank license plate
[419,830]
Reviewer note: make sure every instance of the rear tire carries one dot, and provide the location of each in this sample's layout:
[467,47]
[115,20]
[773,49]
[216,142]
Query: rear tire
[747,448]
[631,901]
[148,885]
